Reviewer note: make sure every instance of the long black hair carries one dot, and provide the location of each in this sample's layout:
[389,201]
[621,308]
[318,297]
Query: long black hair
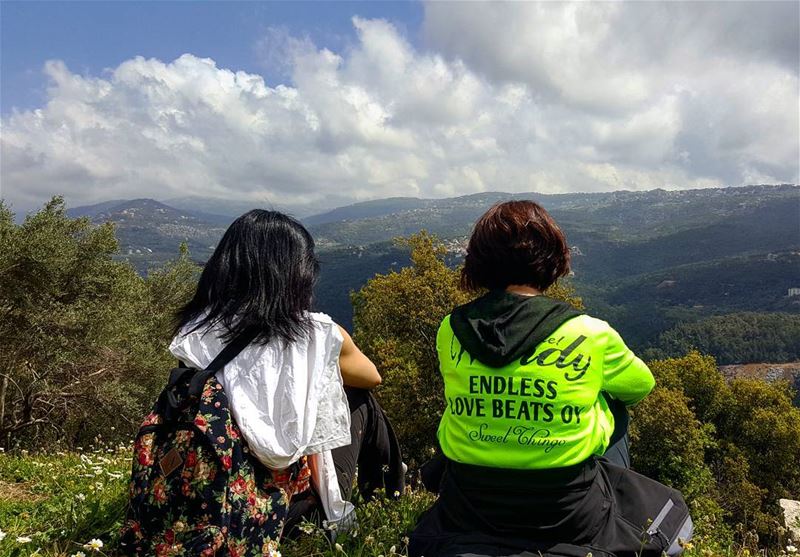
[260,277]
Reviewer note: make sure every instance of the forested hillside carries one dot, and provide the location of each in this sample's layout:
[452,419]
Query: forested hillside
[645,261]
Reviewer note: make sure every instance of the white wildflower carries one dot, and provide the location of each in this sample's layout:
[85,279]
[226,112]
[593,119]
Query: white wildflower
[339,547]
[307,527]
[94,545]
[24,539]
[791,549]
[2,535]
[392,550]
[78,554]
[80,497]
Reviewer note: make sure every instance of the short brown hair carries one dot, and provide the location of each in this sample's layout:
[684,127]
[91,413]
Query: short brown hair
[516,242]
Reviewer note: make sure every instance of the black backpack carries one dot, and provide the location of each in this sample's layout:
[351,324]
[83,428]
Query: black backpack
[636,517]
[195,488]
[647,517]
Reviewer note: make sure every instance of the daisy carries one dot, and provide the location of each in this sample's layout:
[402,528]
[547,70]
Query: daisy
[94,545]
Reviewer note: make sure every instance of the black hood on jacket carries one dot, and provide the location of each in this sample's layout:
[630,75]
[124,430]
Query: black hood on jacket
[501,327]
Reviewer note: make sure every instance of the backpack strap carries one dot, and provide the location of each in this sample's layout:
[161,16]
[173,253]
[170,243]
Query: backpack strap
[227,354]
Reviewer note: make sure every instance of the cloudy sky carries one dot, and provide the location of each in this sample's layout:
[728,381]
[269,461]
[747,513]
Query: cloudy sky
[308,105]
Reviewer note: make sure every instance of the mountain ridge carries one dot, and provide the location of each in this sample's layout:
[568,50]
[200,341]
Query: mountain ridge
[191,203]
[663,254]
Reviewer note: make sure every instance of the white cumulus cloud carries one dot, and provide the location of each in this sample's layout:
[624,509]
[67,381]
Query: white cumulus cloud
[549,97]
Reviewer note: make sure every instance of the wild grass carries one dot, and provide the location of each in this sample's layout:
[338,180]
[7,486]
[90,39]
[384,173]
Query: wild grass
[54,504]
[68,504]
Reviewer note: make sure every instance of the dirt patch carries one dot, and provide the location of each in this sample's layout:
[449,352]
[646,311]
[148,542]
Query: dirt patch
[19,492]
[768,372]
[791,514]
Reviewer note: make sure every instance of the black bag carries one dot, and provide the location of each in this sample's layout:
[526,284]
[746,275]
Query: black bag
[647,517]
[636,517]
[195,488]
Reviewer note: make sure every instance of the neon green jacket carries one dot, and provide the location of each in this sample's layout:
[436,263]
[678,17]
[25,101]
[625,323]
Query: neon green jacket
[544,409]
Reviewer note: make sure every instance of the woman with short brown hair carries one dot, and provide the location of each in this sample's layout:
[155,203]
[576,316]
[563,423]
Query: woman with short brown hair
[530,385]
[515,243]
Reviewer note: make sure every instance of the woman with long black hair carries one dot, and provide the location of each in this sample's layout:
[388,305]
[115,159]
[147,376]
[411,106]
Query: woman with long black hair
[299,391]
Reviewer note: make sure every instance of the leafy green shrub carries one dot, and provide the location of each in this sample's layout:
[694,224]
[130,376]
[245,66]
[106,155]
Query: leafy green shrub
[396,318]
[762,423]
[742,499]
[699,379]
[84,336]
[669,442]
[733,448]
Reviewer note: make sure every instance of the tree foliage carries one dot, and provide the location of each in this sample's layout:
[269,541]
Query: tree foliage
[396,317]
[84,336]
[732,448]
[737,338]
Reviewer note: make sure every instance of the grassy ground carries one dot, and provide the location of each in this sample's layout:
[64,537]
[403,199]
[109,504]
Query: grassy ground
[61,501]
[54,505]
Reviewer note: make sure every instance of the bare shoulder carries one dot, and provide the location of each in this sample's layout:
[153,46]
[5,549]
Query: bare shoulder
[345,335]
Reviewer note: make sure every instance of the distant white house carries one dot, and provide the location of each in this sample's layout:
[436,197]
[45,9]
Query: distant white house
[794,292]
